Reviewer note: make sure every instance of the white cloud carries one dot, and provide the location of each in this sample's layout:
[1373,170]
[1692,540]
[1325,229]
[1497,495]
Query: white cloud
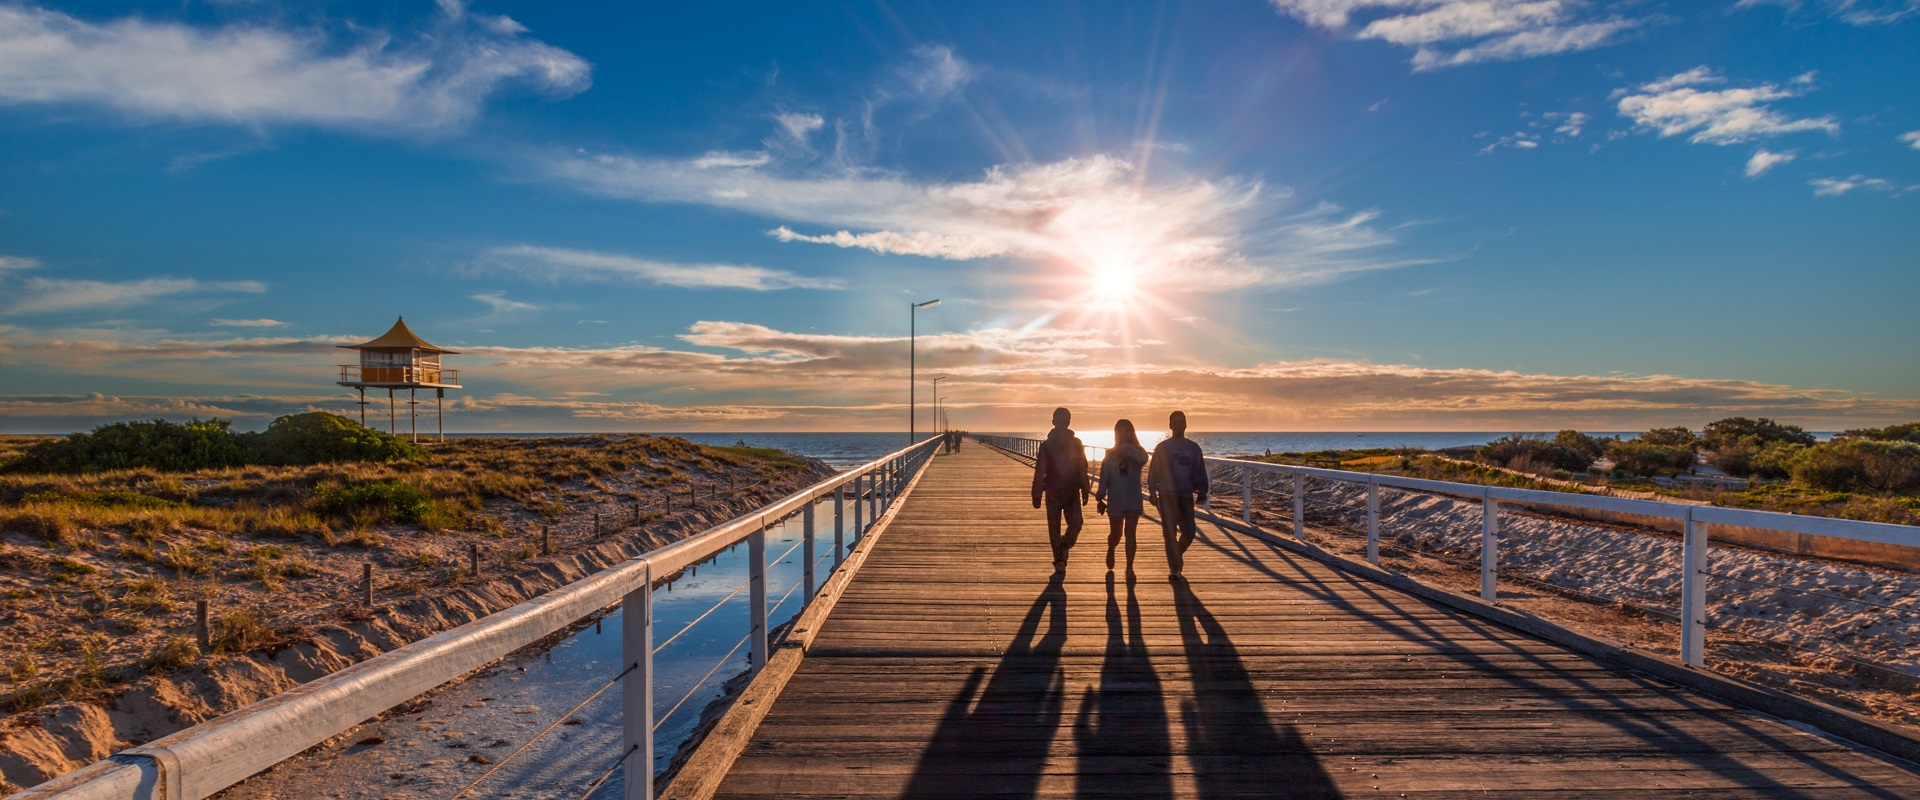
[45,295]
[249,74]
[1912,138]
[246,323]
[1520,140]
[1571,123]
[1677,105]
[932,245]
[500,307]
[1764,159]
[1854,12]
[17,263]
[1094,215]
[562,264]
[799,126]
[720,159]
[1448,33]
[1835,187]
[935,72]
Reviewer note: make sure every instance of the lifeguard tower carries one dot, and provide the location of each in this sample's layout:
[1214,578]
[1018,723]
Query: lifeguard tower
[400,359]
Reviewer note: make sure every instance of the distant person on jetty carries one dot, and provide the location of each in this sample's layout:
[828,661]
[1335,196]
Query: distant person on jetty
[1119,496]
[1176,482]
[1060,479]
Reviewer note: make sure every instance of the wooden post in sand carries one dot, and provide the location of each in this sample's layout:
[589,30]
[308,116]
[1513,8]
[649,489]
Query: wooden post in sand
[366,584]
[206,631]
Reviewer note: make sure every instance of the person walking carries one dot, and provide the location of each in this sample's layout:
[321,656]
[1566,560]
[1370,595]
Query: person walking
[1120,495]
[1176,482]
[1060,480]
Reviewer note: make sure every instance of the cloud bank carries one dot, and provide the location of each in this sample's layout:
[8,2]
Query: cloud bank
[1678,104]
[248,74]
[1449,33]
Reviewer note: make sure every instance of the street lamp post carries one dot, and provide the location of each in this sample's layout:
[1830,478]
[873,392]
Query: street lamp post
[912,322]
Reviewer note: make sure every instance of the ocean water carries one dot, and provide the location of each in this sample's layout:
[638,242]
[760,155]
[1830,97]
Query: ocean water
[843,450]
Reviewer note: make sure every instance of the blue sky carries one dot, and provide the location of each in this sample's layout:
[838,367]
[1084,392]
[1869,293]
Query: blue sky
[1288,215]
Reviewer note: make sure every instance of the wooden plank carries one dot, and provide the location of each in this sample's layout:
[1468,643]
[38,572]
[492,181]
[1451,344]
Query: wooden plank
[956,664]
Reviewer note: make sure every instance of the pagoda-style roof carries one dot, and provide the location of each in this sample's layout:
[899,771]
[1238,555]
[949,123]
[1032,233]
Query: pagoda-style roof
[399,337]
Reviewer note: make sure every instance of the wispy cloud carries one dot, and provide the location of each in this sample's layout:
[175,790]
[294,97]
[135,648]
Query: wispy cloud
[1912,138]
[47,295]
[1764,160]
[1094,214]
[1835,187]
[586,266]
[1678,104]
[257,74]
[17,263]
[500,307]
[1853,12]
[1447,33]
[246,323]
[799,126]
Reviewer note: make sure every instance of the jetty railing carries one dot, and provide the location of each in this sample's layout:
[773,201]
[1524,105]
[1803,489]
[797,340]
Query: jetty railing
[207,758]
[1244,478]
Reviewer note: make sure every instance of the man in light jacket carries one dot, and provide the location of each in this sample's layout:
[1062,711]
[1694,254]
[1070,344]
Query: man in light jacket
[1177,481]
[1061,482]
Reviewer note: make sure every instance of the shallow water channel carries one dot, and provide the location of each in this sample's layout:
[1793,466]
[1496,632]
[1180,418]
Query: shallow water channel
[428,749]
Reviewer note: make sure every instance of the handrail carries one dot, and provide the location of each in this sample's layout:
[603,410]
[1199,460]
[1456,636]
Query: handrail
[1696,521]
[207,758]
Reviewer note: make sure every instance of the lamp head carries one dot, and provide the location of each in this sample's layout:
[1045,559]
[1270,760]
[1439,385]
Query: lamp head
[928,304]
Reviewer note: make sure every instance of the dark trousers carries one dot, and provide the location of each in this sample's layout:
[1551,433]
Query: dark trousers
[1178,526]
[1063,509]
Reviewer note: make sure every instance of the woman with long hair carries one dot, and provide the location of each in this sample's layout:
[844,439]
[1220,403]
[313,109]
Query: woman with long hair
[1120,494]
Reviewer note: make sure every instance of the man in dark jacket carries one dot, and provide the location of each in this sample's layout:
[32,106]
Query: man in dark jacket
[1060,479]
[1176,482]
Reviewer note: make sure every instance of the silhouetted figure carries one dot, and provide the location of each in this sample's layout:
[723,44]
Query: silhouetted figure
[1177,481]
[1060,479]
[1120,489]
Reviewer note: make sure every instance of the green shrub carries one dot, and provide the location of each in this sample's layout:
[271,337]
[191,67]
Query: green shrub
[1592,447]
[1670,437]
[315,437]
[1909,432]
[318,437]
[390,499]
[1847,464]
[1532,453]
[1775,460]
[1734,442]
[1637,457]
[155,444]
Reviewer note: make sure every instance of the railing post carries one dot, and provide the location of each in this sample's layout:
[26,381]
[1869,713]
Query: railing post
[636,694]
[806,532]
[1246,495]
[1373,522]
[873,499]
[839,524]
[859,506]
[1693,594]
[757,578]
[1489,548]
[1299,506]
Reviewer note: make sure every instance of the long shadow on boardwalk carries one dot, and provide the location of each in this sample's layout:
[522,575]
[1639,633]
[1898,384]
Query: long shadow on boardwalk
[1235,749]
[1000,735]
[1121,730]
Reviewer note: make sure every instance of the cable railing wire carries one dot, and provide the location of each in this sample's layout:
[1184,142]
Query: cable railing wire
[604,776]
[543,732]
[701,682]
[703,615]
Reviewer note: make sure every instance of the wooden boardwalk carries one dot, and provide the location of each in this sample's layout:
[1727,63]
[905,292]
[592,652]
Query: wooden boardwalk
[955,666]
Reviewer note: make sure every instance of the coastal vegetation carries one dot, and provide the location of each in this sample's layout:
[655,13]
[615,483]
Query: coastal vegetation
[109,538]
[1867,474]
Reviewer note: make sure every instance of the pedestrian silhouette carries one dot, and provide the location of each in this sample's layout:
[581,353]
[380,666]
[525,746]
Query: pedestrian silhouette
[1177,481]
[1121,475]
[1060,482]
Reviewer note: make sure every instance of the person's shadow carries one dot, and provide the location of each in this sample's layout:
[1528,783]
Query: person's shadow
[1235,749]
[994,740]
[1121,731]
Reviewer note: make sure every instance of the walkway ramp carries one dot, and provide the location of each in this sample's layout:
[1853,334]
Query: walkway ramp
[954,665]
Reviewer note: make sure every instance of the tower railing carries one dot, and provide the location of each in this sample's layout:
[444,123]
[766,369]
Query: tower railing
[430,376]
[207,758]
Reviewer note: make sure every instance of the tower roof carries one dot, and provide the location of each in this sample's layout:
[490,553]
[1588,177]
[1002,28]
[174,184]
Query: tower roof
[399,337]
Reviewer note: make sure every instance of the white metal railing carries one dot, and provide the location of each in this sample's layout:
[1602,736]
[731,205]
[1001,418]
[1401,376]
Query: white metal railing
[375,373]
[1695,521]
[206,758]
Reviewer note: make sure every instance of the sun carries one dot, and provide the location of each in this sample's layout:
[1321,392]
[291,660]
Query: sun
[1114,286]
